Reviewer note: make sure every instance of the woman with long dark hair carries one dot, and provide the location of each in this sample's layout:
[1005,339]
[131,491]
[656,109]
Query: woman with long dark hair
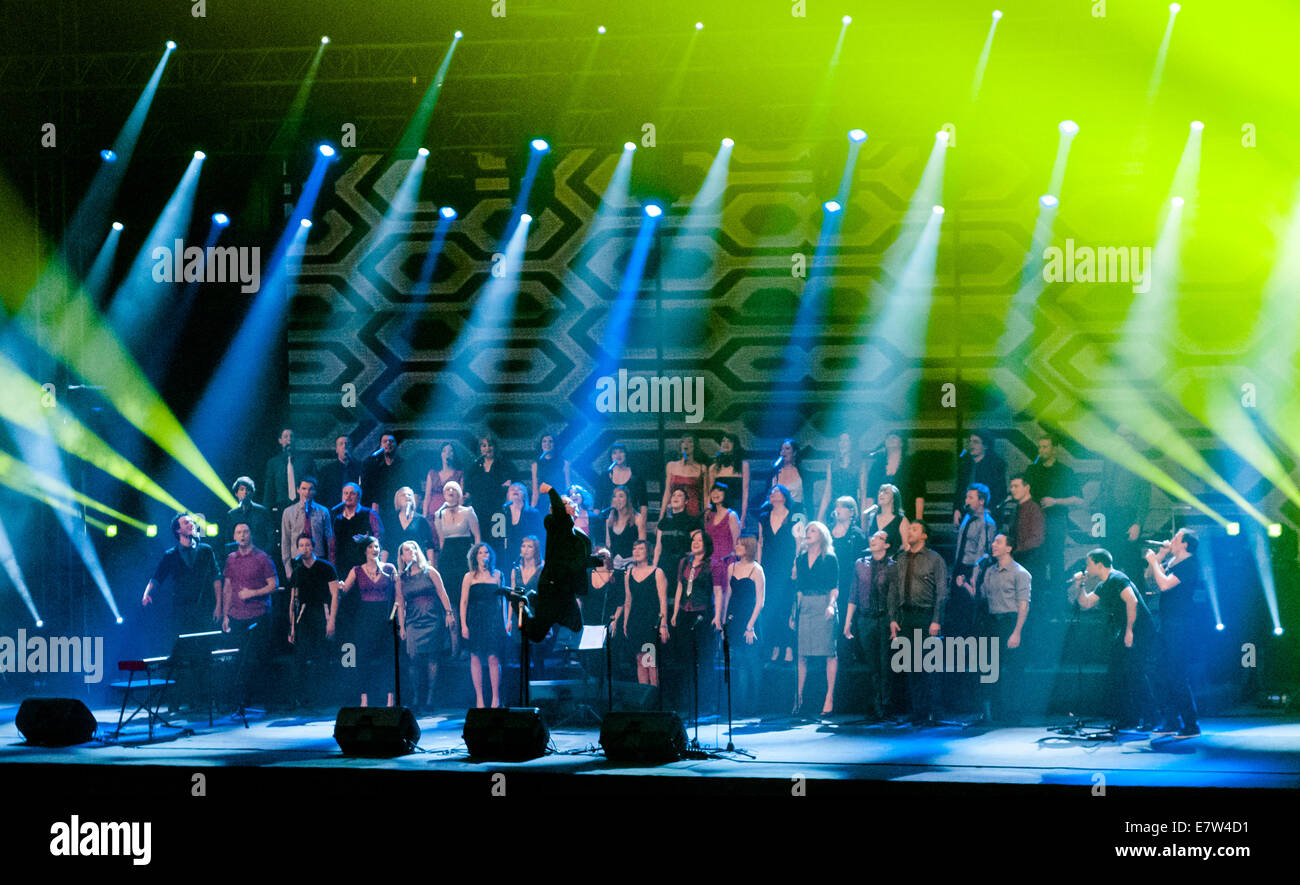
[776,552]
[887,518]
[623,527]
[450,470]
[730,466]
[550,467]
[645,613]
[375,583]
[723,527]
[892,466]
[619,472]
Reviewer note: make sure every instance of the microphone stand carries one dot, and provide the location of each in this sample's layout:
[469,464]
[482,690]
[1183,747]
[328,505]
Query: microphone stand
[397,658]
[695,677]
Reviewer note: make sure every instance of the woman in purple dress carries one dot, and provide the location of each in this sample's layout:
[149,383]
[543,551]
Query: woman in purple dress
[375,582]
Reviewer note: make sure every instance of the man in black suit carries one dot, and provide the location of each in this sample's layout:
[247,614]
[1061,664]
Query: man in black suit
[283,473]
[564,575]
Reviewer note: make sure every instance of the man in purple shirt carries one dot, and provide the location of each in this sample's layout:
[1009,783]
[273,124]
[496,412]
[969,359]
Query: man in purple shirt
[250,580]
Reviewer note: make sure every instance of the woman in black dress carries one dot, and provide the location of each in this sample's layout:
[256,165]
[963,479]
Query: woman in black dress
[730,466]
[817,575]
[375,583]
[424,612]
[483,620]
[776,551]
[673,534]
[550,467]
[620,473]
[457,528]
[522,520]
[743,604]
[645,613]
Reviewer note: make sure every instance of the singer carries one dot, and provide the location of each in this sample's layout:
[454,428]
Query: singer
[376,583]
[1132,632]
[686,474]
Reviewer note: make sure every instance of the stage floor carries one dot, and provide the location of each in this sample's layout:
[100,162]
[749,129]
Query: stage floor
[1253,752]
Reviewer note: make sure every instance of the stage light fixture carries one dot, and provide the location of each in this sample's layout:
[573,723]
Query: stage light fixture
[1197,125]
[1176,202]
[220,219]
[600,30]
[119,619]
[653,210]
[459,34]
[1218,626]
[1275,529]
[306,222]
[941,136]
[1277,631]
[540,145]
[447,212]
[199,155]
[107,155]
[1174,7]
[324,40]
[832,206]
[1069,127]
[326,150]
[171,44]
[997,14]
[118,226]
[212,530]
[727,142]
[423,152]
[857,135]
[151,531]
[848,19]
[1047,201]
[526,218]
[938,210]
[699,26]
[629,146]
[110,531]
[1233,528]
[40,623]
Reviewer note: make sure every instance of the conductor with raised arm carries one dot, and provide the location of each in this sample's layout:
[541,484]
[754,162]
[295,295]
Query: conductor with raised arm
[564,574]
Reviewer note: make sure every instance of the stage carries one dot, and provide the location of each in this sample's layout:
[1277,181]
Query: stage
[840,754]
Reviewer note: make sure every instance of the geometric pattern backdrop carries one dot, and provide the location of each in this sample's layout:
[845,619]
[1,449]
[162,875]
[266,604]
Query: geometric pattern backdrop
[721,307]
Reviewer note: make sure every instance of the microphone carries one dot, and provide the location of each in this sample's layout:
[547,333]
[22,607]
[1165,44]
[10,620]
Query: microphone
[962,455]
[1155,545]
[870,511]
[878,450]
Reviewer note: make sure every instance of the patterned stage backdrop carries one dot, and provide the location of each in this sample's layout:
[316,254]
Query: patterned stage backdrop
[366,353]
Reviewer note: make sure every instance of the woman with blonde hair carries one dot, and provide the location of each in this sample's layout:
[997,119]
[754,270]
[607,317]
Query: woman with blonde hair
[425,618]
[816,582]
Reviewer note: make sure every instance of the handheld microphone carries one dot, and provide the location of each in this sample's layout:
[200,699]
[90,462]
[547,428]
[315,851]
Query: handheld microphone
[1155,545]
[870,511]
[879,450]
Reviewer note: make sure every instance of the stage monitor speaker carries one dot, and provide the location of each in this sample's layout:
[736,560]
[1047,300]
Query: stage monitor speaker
[506,734]
[376,732]
[55,722]
[643,737]
[634,696]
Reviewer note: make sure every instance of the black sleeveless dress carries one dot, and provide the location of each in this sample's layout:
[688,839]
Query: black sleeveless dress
[486,620]
[744,596]
[643,619]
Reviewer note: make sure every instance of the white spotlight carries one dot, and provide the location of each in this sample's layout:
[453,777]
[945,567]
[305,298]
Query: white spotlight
[938,210]
[1197,125]
[423,152]
[199,155]
[997,14]
[629,146]
[1176,202]
[727,142]
[526,218]
[117,226]
[1069,127]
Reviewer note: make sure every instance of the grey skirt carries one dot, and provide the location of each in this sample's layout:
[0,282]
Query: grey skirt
[816,631]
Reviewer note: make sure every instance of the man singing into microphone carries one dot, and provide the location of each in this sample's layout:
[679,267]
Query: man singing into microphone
[1178,579]
[1126,680]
